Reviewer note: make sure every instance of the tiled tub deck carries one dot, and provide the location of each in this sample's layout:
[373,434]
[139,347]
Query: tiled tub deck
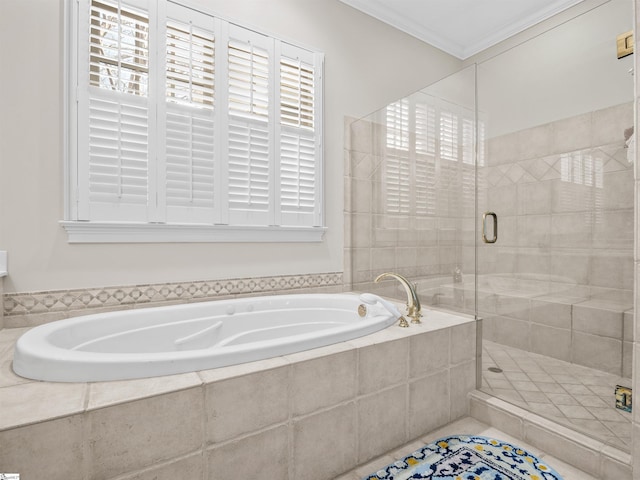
[309,415]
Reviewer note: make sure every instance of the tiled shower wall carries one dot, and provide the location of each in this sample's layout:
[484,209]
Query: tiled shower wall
[564,195]
[425,248]
[559,280]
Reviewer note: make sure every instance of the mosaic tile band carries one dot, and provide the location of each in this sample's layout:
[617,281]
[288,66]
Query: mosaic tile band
[462,457]
[67,300]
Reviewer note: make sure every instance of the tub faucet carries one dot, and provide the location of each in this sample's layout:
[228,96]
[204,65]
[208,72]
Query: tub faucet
[413,303]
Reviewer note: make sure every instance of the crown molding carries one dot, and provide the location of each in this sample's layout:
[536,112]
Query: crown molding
[382,12]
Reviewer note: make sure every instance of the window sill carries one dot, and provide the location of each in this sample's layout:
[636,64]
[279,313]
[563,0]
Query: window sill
[111,232]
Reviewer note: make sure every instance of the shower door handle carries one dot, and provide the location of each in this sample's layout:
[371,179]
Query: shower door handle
[484,227]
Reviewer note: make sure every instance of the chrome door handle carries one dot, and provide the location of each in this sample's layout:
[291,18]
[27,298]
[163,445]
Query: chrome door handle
[484,227]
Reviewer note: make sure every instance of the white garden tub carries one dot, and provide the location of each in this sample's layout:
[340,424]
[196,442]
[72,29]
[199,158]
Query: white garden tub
[174,339]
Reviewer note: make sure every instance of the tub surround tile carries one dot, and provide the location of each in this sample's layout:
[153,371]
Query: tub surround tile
[34,402]
[429,403]
[264,455]
[462,379]
[245,404]
[275,408]
[429,353]
[330,434]
[28,450]
[323,382]
[104,394]
[320,352]
[138,434]
[188,467]
[7,376]
[382,365]
[8,338]
[463,343]
[233,371]
[381,422]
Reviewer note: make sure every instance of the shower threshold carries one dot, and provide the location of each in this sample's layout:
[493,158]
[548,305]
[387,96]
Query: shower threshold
[577,397]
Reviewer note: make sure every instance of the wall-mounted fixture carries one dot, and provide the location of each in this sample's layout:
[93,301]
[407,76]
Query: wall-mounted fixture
[624,42]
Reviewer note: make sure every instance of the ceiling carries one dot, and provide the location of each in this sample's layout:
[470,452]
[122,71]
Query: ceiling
[461,28]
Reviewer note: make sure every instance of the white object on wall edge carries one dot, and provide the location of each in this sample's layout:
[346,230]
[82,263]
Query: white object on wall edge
[3,263]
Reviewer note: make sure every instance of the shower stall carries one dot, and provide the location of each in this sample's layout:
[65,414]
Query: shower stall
[505,191]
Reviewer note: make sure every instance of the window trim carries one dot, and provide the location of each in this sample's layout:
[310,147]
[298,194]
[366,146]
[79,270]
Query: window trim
[82,231]
[116,232]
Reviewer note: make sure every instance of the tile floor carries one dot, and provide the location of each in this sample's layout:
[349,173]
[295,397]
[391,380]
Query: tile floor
[579,397]
[469,426]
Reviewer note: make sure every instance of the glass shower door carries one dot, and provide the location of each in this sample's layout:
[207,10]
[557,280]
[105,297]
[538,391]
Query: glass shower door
[411,208]
[555,289]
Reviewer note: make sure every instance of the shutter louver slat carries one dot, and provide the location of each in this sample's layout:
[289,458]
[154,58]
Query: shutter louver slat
[397,164]
[118,160]
[297,173]
[248,168]
[190,171]
[448,136]
[190,177]
[296,93]
[298,149]
[249,165]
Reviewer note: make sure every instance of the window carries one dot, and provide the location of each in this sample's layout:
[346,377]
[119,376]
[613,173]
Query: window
[185,127]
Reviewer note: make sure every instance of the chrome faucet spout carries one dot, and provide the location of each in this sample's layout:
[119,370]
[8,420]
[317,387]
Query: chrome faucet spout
[413,303]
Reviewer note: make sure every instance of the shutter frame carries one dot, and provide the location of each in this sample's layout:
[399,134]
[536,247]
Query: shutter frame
[150,177]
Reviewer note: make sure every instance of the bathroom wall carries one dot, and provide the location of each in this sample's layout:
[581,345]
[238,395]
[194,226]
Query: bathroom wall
[367,64]
[560,68]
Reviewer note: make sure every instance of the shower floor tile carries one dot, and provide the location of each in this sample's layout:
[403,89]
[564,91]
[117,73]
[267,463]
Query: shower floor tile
[578,397]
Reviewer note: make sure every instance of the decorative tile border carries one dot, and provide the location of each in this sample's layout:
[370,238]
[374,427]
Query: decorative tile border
[31,303]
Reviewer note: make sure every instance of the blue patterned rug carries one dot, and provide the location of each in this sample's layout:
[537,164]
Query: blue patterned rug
[461,457]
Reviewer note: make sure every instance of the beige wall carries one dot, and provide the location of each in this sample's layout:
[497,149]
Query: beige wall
[367,65]
[569,70]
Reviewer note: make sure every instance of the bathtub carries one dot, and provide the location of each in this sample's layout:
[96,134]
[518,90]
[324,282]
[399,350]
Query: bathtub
[157,341]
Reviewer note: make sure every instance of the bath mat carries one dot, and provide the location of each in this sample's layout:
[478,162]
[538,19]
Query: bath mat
[461,457]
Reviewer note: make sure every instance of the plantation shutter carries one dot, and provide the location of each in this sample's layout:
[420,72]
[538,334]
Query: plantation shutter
[425,146]
[189,160]
[448,135]
[180,118]
[397,160]
[468,161]
[299,149]
[114,111]
[249,149]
